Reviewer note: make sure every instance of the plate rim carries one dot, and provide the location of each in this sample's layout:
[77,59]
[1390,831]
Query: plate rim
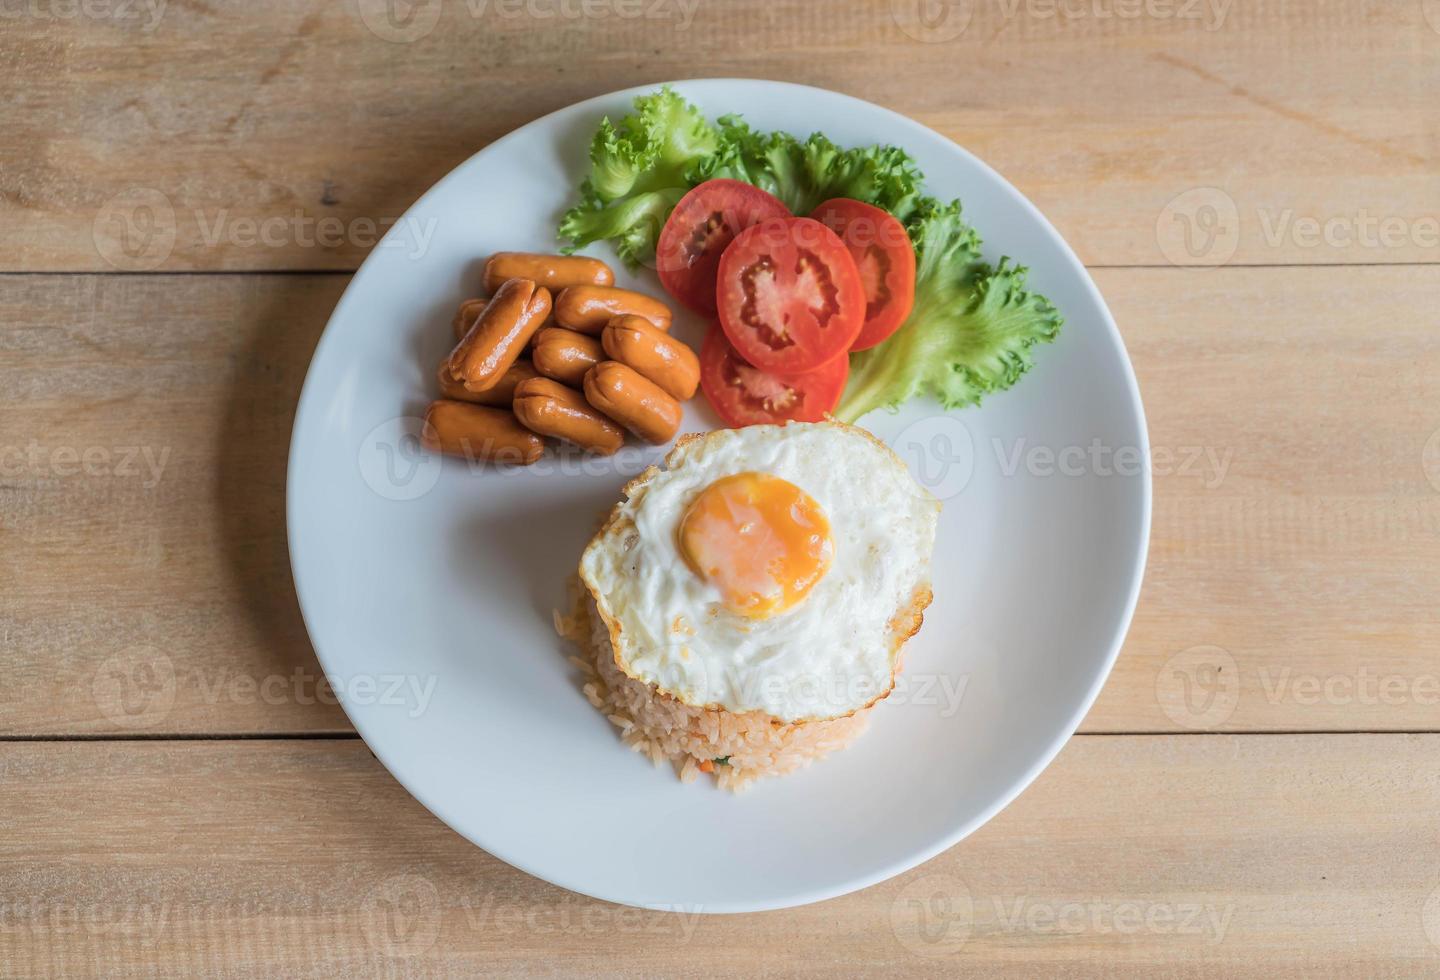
[305,407]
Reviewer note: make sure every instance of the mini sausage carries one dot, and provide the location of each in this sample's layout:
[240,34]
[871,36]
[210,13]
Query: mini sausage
[479,433]
[588,308]
[499,334]
[655,354]
[465,317]
[566,355]
[551,271]
[640,405]
[500,395]
[551,409]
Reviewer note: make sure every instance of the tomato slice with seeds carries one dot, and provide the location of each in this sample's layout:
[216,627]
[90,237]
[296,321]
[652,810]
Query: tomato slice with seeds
[744,395]
[789,295]
[696,234]
[884,258]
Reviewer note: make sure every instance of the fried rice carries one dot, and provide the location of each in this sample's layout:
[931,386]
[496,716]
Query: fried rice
[737,748]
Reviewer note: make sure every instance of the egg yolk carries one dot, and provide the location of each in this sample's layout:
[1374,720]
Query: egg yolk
[762,541]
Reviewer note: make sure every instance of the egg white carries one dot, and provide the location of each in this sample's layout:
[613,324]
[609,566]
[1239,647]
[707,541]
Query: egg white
[830,654]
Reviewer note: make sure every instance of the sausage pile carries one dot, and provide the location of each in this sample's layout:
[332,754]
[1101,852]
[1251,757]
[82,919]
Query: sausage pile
[582,365]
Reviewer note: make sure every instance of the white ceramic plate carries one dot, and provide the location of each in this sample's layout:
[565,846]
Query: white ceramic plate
[427,587]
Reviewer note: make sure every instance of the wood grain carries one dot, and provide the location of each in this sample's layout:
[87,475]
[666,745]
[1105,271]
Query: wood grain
[280,135]
[1185,856]
[1294,567]
[1296,537]
[1294,411]
[142,504]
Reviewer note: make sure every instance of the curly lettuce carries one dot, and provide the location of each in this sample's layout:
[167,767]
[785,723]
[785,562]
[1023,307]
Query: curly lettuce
[804,174]
[969,333]
[973,325]
[640,167]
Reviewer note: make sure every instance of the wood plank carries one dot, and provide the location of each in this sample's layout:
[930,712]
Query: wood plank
[220,138]
[145,431]
[1295,538]
[1294,567]
[1226,855]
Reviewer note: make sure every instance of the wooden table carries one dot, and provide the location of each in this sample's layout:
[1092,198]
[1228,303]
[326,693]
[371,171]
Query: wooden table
[1256,790]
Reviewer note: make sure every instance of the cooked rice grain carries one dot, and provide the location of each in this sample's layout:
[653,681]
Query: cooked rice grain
[662,728]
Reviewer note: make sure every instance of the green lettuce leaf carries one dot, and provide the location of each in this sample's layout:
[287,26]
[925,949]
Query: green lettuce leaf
[970,331]
[803,174]
[972,326]
[632,225]
[639,169]
[642,165]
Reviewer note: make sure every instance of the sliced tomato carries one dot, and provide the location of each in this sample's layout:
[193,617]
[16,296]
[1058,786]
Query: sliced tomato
[885,259]
[789,295]
[745,395]
[706,220]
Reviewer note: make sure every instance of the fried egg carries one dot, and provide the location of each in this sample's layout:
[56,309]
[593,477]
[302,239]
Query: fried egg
[770,568]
